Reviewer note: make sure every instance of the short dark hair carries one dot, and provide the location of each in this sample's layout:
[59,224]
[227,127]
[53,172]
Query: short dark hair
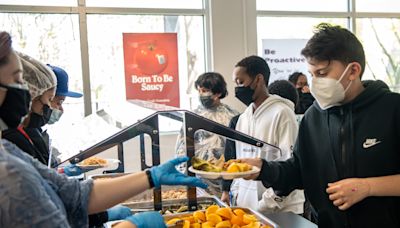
[294,77]
[284,89]
[5,47]
[334,43]
[255,65]
[214,82]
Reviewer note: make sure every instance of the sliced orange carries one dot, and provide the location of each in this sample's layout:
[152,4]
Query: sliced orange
[235,226]
[214,218]
[233,168]
[212,209]
[186,224]
[239,212]
[199,216]
[237,220]
[223,224]
[252,225]
[195,225]
[247,219]
[224,212]
[173,221]
[207,225]
[188,218]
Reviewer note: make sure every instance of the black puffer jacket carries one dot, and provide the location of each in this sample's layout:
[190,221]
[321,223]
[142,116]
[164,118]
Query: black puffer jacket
[358,139]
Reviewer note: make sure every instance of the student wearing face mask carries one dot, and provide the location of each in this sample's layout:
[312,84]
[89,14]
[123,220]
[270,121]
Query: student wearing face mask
[299,80]
[56,104]
[210,147]
[346,157]
[41,82]
[32,195]
[269,118]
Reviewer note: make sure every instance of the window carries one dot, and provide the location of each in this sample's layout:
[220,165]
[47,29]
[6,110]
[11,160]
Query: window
[305,5]
[378,6]
[380,38]
[53,39]
[176,4]
[40,2]
[107,58]
[372,22]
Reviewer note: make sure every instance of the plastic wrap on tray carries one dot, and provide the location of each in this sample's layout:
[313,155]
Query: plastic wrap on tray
[167,193]
[173,206]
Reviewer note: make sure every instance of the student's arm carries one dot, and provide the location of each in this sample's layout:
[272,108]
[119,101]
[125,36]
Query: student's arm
[347,192]
[106,193]
[276,174]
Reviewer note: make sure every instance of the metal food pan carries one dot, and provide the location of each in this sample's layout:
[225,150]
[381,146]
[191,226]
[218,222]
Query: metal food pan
[261,218]
[174,204]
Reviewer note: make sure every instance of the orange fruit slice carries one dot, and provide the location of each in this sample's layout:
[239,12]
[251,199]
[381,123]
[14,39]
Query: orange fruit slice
[237,220]
[199,216]
[173,221]
[233,168]
[212,209]
[239,212]
[214,218]
[223,224]
[195,225]
[186,224]
[207,225]
[224,212]
[247,219]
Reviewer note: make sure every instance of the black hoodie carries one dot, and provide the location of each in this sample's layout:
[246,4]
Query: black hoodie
[358,139]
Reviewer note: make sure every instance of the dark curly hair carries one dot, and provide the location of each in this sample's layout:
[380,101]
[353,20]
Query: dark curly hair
[284,89]
[255,65]
[212,81]
[294,77]
[334,43]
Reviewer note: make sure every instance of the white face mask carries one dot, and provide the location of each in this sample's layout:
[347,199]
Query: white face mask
[329,92]
[55,116]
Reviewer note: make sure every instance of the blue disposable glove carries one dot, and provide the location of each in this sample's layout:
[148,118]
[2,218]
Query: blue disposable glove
[166,174]
[147,219]
[118,212]
[72,170]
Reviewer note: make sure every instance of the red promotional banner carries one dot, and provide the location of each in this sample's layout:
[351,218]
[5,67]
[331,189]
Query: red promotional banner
[151,67]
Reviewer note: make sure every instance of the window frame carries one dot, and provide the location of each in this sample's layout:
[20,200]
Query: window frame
[82,11]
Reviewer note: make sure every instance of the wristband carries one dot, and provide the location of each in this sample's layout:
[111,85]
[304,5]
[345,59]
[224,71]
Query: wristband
[148,174]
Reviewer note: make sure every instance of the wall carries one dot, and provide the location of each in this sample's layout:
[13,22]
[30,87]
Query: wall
[233,37]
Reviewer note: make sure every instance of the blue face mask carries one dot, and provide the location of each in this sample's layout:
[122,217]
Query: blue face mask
[55,116]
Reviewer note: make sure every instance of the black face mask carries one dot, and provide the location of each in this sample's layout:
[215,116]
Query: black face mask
[207,101]
[244,94]
[15,106]
[38,121]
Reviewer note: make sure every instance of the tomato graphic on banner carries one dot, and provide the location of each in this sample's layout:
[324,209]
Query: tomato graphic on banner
[151,67]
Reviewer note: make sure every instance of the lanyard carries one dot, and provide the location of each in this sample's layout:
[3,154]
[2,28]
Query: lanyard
[21,129]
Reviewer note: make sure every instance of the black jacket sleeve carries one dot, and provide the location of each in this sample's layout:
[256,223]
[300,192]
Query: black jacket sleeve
[283,176]
[229,153]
